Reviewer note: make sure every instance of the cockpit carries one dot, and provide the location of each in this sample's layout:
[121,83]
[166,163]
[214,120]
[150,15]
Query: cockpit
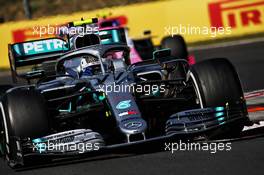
[91,62]
[87,65]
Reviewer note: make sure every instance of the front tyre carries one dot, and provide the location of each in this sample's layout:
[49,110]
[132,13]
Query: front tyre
[216,83]
[24,115]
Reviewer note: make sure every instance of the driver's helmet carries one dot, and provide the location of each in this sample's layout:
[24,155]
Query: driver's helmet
[82,66]
[89,66]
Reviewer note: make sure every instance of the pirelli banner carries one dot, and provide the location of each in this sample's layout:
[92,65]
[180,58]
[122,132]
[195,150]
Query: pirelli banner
[197,20]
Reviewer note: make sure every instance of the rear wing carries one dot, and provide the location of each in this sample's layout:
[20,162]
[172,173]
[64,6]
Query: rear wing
[113,36]
[42,54]
[34,52]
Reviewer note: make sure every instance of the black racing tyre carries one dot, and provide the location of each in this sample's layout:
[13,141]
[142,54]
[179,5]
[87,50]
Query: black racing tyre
[4,88]
[24,114]
[217,83]
[177,45]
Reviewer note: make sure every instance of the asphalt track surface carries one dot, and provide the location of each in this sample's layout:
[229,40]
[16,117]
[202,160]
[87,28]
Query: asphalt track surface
[245,157]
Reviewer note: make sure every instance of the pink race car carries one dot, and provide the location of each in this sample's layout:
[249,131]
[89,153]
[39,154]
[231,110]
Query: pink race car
[143,48]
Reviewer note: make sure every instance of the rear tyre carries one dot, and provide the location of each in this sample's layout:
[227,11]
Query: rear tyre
[177,45]
[217,83]
[3,89]
[24,115]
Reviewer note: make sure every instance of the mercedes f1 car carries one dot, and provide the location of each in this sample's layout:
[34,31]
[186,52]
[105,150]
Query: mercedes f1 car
[95,99]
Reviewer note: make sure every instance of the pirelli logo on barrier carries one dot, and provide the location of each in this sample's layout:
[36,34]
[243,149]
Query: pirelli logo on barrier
[236,13]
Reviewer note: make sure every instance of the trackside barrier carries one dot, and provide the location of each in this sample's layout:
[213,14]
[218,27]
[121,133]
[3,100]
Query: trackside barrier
[197,20]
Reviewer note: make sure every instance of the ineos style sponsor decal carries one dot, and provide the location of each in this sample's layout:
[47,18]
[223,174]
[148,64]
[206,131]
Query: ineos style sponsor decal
[123,104]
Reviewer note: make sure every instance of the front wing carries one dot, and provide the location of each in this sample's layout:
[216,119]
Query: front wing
[185,125]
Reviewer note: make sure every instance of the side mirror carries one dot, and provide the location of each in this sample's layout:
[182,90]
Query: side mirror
[163,56]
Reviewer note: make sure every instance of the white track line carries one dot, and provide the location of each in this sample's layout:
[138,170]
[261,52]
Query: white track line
[261,124]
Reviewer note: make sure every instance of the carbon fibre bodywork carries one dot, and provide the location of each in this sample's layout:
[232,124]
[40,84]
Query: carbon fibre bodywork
[120,117]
